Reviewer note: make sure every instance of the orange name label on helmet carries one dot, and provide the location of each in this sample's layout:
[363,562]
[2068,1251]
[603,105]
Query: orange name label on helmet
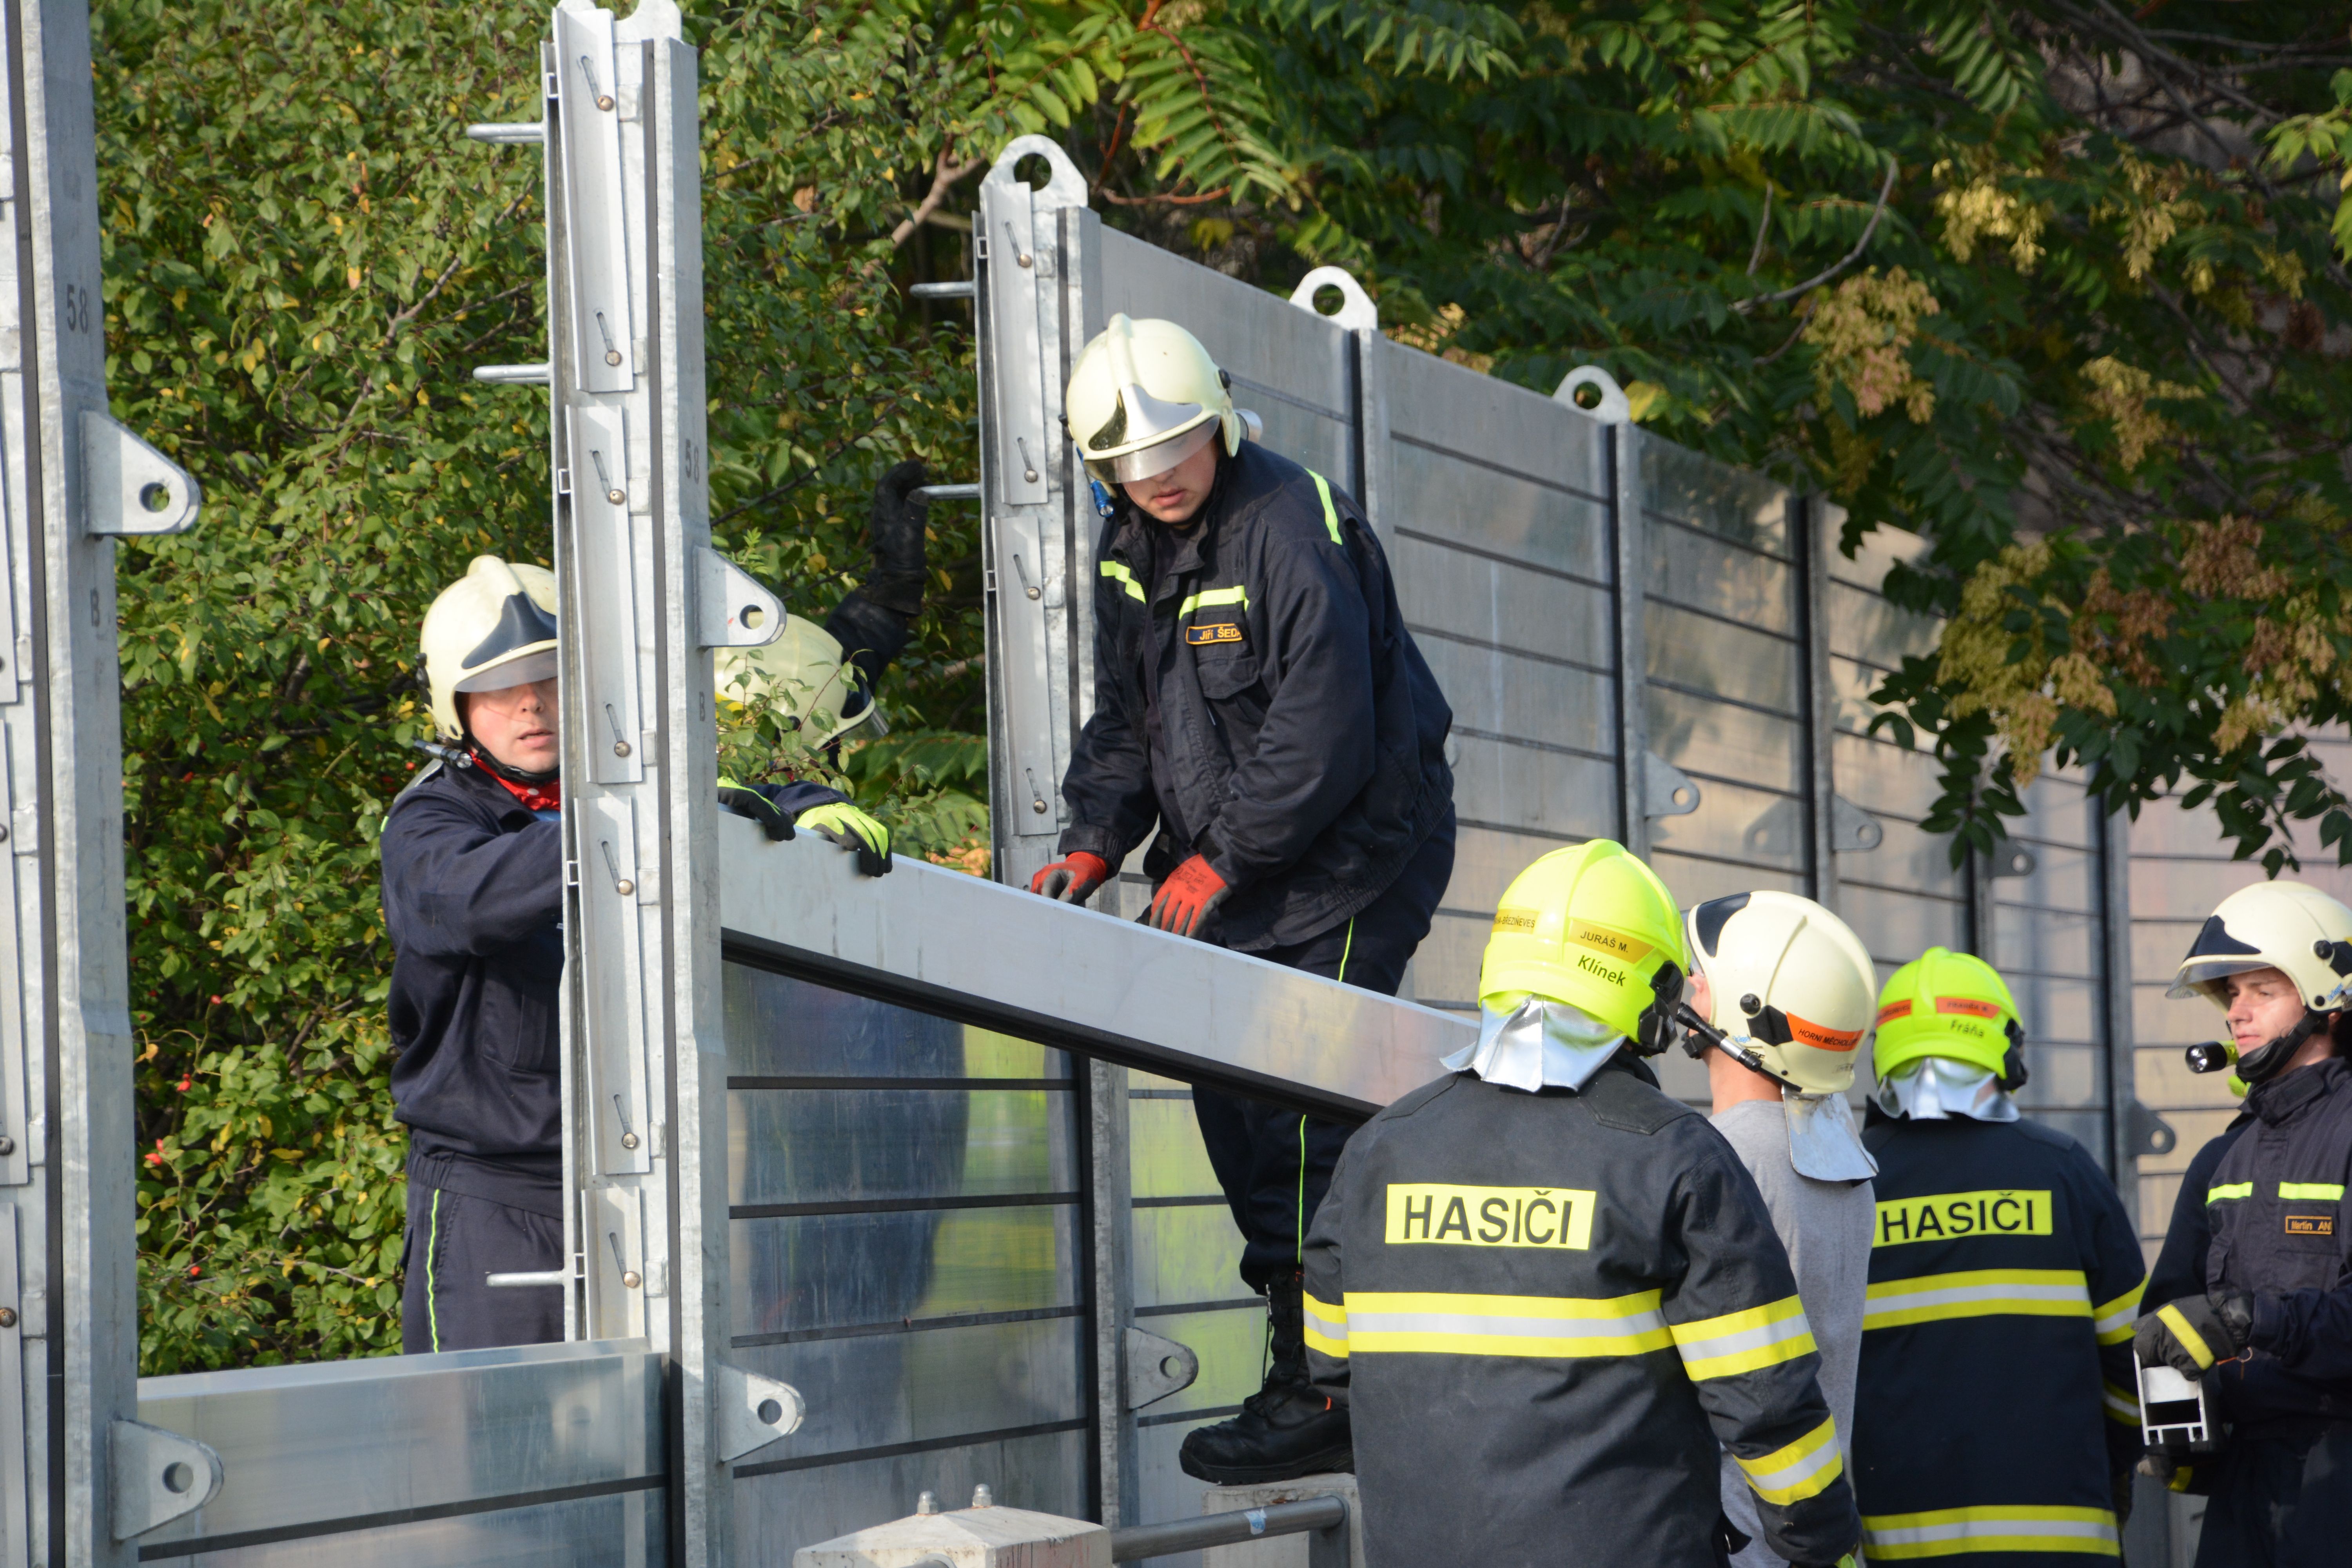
[1967,1006]
[1608,940]
[1520,922]
[1819,1038]
[1892,1011]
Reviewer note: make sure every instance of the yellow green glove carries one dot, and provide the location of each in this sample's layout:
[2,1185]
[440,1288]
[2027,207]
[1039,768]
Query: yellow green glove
[852,829]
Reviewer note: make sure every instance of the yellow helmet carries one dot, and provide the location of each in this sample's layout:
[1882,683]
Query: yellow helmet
[492,628]
[1790,987]
[1594,928]
[1955,1005]
[805,674]
[1144,396]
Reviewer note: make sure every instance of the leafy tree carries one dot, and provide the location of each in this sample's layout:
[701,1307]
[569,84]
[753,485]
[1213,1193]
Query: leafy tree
[2018,277]
[2053,284]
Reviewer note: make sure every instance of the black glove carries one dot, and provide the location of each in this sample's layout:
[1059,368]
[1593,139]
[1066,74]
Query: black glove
[744,801]
[897,528]
[2194,1334]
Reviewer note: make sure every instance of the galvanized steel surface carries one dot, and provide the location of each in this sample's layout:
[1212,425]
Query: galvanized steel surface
[324,1454]
[989,955]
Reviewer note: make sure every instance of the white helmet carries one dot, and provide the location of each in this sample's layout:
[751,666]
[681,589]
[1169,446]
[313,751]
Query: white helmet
[1144,396]
[804,674]
[492,628]
[2287,926]
[1793,988]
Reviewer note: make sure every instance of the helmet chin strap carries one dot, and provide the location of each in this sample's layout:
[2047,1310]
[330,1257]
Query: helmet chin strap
[2264,1061]
[526,776]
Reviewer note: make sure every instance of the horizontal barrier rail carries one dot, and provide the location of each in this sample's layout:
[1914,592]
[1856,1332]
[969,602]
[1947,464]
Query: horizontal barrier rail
[1323,1520]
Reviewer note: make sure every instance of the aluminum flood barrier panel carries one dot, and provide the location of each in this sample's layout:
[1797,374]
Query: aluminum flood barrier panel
[934,1153]
[1636,641]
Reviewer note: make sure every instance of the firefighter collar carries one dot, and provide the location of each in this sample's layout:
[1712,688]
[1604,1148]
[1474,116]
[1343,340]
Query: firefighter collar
[1538,1044]
[1824,1143]
[1934,1088]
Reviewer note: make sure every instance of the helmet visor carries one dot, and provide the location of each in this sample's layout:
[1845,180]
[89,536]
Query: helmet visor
[2214,955]
[1151,462]
[521,671]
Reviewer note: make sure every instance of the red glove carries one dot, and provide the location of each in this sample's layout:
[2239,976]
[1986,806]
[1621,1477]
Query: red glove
[1186,898]
[1073,877]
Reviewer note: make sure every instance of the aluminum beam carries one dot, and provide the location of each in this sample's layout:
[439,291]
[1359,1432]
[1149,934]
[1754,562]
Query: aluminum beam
[984,953]
[357,1454]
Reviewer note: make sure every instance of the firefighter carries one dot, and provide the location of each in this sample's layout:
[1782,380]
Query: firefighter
[1260,703]
[473,891]
[1997,1414]
[1780,998]
[2250,1288]
[1549,1294]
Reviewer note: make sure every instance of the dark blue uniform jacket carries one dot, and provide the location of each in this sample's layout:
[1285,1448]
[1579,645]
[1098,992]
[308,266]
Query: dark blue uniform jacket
[473,899]
[1302,736]
[2263,1209]
[473,891]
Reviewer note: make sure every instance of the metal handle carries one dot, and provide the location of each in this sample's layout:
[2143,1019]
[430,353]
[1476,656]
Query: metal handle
[527,1281]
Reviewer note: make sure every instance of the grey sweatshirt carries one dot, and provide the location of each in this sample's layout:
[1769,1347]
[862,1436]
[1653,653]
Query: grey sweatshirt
[1827,1229]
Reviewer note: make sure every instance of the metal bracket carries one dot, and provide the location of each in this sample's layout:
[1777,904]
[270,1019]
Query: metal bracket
[1669,791]
[1614,407]
[1852,828]
[2146,1132]
[1356,313]
[1157,1368]
[129,487]
[754,1411]
[730,608]
[158,1476]
[2010,858]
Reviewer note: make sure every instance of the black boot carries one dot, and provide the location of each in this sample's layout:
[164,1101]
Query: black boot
[1286,1429]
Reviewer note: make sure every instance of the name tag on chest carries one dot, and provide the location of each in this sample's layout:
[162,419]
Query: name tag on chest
[1222,631]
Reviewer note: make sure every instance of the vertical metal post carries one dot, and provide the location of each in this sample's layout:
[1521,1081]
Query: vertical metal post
[1112,1204]
[2116,957]
[1631,566]
[643,601]
[1809,530]
[1027,482]
[68,1260]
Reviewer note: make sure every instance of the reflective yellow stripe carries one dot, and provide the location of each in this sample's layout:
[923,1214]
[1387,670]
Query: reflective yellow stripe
[2190,1339]
[2121,1406]
[2113,1322]
[2234,1189]
[1955,1531]
[1742,1342]
[1236,595]
[2326,1192]
[1117,573]
[1798,1471]
[1978,1293]
[1331,512]
[1327,1328]
[1442,1324]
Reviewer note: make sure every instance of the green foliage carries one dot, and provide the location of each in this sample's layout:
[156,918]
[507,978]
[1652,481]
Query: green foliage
[2083,307]
[2067,317]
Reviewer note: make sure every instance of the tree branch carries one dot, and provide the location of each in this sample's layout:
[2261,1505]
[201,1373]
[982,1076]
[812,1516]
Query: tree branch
[1742,307]
[948,174]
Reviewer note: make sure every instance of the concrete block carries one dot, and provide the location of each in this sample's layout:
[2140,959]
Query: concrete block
[1281,1551]
[983,1537]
